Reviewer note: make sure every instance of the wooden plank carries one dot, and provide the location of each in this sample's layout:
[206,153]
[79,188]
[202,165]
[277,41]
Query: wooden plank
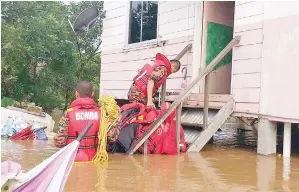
[246,115]
[128,75]
[113,31]
[118,94]
[247,108]
[122,93]
[176,26]
[248,95]
[246,66]
[215,124]
[248,23]
[121,11]
[200,104]
[179,34]
[145,53]
[249,9]
[132,55]
[238,3]
[183,52]
[250,37]
[171,6]
[251,80]
[247,52]
[110,5]
[126,84]
[140,47]
[212,97]
[136,65]
[281,9]
[113,40]
[145,147]
[176,15]
[197,104]
[200,97]
[163,92]
[113,22]
[178,126]
[111,47]
[206,103]
[249,27]
[183,95]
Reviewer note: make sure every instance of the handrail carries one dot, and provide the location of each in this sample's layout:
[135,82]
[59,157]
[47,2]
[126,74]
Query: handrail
[183,95]
[183,52]
[178,57]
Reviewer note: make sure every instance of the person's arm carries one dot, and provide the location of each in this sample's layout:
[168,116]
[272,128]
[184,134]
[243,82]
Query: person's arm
[61,135]
[150,86]
[157,74]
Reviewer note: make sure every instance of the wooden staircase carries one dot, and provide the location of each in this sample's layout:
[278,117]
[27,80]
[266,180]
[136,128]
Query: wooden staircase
[220,108]
[215,123]
[224,103]
[192,112]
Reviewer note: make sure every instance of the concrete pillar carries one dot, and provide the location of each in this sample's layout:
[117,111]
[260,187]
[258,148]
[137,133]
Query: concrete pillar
[287,140]
[267,134]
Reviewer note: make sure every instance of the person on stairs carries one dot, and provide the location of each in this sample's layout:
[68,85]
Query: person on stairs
[150,78]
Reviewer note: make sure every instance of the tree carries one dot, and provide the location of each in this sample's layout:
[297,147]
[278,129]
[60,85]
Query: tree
[40,58]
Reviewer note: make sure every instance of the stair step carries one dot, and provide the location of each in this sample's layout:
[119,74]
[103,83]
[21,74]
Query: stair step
[194,117]
[191,135]
[214,125]
[195,100]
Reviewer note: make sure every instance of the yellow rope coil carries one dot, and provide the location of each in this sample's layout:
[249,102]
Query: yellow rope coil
[110,114]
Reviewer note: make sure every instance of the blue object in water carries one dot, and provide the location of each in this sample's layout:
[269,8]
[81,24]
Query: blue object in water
[40,134]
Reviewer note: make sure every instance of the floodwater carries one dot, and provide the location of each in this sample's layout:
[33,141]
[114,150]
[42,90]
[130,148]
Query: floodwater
[214,169]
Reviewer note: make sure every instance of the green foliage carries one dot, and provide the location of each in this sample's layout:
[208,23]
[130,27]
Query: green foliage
[40,59]
[5,101]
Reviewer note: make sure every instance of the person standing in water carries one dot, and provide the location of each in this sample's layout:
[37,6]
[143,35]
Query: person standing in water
[83,110]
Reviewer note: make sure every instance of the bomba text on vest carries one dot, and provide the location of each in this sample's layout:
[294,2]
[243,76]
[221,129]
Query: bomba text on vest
[87,116]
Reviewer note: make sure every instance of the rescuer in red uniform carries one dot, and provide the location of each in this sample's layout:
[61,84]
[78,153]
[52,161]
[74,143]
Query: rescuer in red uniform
[83,110]
[150,78]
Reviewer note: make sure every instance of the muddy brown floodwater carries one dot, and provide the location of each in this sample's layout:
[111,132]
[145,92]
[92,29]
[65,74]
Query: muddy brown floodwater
[213,169]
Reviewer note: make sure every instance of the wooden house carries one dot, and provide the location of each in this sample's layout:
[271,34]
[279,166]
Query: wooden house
[259,74]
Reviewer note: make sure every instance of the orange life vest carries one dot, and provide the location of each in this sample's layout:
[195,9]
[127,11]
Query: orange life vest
[82,111]
[141,79]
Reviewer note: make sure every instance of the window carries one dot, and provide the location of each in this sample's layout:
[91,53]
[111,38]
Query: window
[143,21]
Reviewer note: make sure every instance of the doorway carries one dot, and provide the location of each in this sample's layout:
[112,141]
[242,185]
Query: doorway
[217,32]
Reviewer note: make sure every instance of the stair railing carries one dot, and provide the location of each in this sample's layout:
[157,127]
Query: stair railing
[178,102]
[178,57]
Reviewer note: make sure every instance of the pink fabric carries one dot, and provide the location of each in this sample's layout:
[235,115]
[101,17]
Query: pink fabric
[163,140]
[9,169]
[42,181]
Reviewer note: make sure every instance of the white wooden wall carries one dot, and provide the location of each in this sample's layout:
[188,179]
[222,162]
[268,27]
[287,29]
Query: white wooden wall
[247,56]
[120,64]
[280,63]
[265,63]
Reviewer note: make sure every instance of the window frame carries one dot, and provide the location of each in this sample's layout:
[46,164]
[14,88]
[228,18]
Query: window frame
[151,43]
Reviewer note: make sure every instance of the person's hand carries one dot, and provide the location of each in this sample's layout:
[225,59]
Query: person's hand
[150,105]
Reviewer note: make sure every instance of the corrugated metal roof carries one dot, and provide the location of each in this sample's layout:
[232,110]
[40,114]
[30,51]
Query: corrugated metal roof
[194,117]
